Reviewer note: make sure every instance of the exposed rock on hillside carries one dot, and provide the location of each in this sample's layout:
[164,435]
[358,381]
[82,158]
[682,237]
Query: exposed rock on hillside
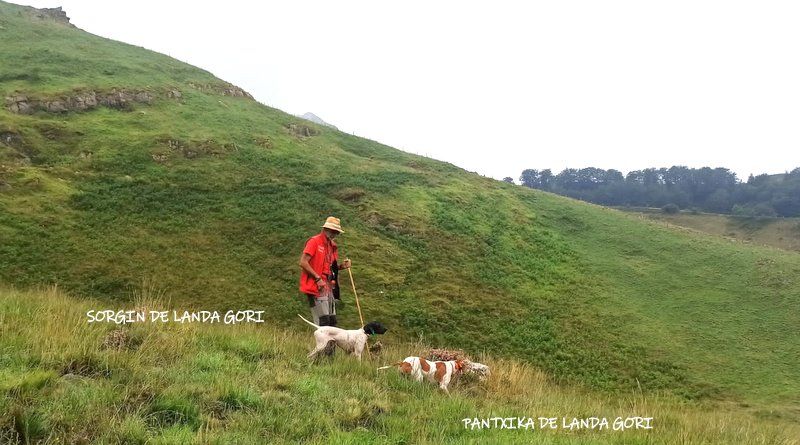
[54,14]
[225,89]
[301,130]
[118,98]
[77,101]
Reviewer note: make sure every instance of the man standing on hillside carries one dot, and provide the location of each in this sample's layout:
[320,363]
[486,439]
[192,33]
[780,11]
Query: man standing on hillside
[319,268]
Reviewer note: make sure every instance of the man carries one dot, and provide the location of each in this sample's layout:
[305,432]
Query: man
[318,268]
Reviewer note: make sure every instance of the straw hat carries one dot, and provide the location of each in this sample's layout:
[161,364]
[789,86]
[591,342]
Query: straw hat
[333,224]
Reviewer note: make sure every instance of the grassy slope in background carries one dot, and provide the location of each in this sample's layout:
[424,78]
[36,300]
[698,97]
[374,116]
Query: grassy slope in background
[211,198]
[783,233]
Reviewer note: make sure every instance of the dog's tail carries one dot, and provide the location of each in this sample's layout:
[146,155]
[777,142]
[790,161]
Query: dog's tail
[390,366]
[312,324]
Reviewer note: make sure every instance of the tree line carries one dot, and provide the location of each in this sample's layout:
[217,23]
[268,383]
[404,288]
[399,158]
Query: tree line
[716,190]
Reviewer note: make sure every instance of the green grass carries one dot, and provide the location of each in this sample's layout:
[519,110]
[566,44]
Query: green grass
[212,198]
[218,384]
[783,233]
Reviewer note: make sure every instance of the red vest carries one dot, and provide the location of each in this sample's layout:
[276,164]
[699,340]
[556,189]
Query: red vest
[323,253]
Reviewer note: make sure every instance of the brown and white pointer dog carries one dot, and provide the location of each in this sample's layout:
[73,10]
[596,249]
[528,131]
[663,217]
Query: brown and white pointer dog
[435,372]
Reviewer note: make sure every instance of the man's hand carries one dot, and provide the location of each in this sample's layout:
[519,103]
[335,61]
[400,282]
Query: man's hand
[321,284]
[347,264]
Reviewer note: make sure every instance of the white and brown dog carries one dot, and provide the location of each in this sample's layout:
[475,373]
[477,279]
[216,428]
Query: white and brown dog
[420,369]
[352,341]
[478,369]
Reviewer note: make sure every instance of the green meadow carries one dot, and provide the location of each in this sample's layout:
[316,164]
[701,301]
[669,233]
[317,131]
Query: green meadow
[64,381]
[783,233]
[206,199]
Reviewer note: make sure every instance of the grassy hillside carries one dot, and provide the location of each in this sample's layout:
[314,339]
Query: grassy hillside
[783,233]
[210,196]
[63,381]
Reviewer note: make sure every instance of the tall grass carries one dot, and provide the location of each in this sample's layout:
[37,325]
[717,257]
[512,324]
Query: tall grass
[171,383]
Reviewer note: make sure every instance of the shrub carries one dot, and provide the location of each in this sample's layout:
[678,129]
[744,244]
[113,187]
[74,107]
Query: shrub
[761,209]
[670,209]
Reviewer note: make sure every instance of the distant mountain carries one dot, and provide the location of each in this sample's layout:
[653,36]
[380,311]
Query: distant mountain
[316,119]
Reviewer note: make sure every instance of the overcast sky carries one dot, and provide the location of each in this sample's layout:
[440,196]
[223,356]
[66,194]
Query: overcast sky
[497,87]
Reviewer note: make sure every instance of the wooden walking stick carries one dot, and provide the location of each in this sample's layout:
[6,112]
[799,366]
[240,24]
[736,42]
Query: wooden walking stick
[358,305]
[361,317]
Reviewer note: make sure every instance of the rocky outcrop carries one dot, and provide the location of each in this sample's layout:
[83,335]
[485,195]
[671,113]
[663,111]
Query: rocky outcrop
[235,92]
[55,14]
[117,98]
[224,88]
[81,101]
[301,130]
[19,104]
